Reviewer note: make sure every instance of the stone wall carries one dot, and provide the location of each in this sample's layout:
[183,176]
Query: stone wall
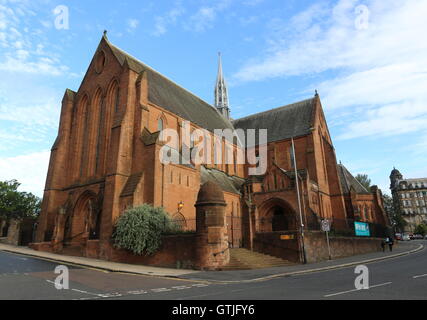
[176,252]
[20,232]
[13,234]
[316,247]
[2,228]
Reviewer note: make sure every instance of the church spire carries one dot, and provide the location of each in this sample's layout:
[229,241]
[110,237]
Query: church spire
[221,92]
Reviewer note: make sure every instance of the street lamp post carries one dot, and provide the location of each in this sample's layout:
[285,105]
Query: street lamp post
[299,203]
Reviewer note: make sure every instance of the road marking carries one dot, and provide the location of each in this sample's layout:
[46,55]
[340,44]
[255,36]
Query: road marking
[111,295]
[160,290]
[354,290]
[420,276]
[85,299]
[76,290]
[137,292]
[98,295]
[181,288]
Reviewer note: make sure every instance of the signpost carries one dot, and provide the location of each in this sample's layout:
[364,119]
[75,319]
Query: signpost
[326,227]
[287,237]
[362,229]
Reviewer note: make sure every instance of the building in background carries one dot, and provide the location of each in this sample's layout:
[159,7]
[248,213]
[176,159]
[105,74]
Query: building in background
[409,199]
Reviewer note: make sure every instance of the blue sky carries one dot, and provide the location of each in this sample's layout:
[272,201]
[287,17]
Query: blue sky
[366,58]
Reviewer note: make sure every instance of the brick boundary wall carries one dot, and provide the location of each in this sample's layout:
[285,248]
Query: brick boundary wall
[207,249]
[317,249]
[315,246]
[176,251]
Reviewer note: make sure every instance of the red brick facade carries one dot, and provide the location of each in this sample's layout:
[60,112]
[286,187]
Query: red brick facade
[106,159]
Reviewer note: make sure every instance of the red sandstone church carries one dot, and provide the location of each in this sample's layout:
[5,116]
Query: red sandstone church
[106,159]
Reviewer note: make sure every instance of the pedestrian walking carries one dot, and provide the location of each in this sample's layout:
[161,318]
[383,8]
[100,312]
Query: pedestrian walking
[383,243]
[390,244]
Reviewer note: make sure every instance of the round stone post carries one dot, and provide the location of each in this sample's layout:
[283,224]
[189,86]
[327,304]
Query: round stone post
[212,240]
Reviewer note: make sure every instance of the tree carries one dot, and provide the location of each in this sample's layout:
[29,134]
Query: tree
[395,216]
[388,205]
[421,229]
[15,204]
[140,229]
[364,181]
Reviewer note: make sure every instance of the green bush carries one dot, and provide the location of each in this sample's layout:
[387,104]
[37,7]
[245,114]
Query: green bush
[140,229]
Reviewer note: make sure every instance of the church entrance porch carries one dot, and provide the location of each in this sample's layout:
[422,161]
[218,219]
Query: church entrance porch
[84,222]
[276,215]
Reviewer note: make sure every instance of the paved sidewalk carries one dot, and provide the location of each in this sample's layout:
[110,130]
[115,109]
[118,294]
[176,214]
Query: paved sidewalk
[97,264]
[403,248]
[240,276]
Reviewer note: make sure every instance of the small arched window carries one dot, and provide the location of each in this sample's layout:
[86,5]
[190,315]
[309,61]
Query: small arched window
[160,125]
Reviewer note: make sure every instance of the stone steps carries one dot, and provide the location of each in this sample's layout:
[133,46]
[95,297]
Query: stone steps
[243,259]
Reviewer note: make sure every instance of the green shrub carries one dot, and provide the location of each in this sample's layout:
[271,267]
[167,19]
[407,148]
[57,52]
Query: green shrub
[140,229]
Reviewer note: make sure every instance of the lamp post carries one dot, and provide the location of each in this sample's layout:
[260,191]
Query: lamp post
[180,206]
[299,203]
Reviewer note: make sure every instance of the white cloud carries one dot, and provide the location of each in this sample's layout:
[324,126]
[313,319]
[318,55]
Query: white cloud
[162,23]
[21,47]
[132,24]
[328,39]
[252,2]
[205,16]
[47,114]
[30,170]
[379,73]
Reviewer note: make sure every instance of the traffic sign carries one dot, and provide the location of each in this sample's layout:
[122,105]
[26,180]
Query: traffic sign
[326,225]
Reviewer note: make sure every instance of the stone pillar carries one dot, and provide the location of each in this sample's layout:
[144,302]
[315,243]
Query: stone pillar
[13,233]
[58,234]
[212,248]
[2,225]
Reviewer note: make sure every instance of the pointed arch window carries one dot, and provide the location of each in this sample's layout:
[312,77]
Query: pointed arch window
[160,125]
[292,157]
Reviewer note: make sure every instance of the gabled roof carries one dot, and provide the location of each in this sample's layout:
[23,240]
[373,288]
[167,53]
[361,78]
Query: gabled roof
[170,96]
[283,123]
[226,182]
[348,181]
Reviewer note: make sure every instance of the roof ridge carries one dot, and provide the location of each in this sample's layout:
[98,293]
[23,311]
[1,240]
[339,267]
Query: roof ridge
[158,73]
[342,167]
[355,178]
[274,109]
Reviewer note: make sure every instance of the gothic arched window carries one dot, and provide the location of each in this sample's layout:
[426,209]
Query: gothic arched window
[160,125]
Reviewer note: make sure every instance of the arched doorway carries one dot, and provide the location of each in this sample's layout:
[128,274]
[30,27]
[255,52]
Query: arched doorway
[279,221]
[277,215]
[86,219]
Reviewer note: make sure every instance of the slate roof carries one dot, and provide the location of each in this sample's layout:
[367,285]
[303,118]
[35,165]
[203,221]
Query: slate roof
[226,182]
[348,180]
[283,123]
[170,96]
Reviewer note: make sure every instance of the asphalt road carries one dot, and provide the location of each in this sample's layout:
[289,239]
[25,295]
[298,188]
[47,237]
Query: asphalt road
[24,278]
